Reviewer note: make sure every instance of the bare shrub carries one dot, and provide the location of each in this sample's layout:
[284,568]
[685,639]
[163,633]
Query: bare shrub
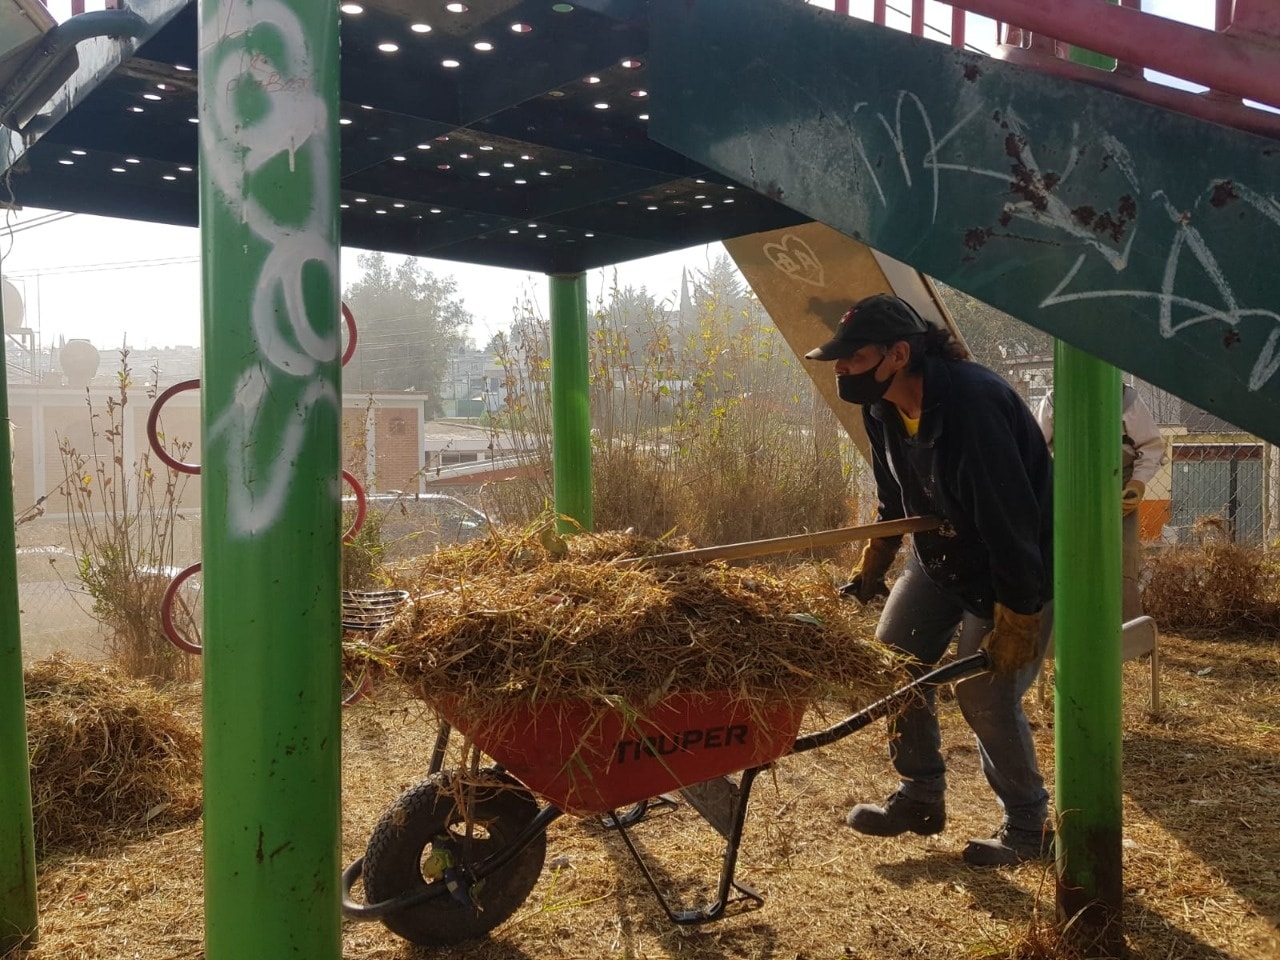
[362,555]
[121,521]
[1212,584]
[710,430]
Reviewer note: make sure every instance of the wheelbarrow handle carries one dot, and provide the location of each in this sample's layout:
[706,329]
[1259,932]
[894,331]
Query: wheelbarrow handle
[799,541]
[956,670]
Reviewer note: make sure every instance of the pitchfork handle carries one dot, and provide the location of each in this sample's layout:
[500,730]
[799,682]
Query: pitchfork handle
[956,670]
[799,541]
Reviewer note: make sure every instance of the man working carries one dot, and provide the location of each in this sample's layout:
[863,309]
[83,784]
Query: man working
[951,439]
[1142,453]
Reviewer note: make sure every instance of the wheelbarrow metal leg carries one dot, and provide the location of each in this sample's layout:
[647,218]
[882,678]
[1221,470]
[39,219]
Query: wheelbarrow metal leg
[733,843]
[438,751]
[637,811]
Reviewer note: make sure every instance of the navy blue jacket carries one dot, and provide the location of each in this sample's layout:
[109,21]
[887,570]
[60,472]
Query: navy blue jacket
[979,462]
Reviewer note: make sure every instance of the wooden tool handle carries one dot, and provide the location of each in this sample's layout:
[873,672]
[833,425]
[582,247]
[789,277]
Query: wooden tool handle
[799,541]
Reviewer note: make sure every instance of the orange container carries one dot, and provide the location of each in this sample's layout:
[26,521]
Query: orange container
[587,760]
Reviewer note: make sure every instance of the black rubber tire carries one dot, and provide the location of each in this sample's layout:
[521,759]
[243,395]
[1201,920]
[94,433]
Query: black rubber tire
[393,860]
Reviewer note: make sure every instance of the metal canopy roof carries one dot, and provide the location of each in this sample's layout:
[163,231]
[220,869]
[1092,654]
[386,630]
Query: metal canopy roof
[532,154]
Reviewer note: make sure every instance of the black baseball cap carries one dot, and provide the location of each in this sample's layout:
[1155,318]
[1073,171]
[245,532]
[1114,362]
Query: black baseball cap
[882,318]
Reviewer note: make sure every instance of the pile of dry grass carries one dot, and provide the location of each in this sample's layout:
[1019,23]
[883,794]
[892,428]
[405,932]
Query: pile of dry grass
[532,618]
[1213,584]
[108,755]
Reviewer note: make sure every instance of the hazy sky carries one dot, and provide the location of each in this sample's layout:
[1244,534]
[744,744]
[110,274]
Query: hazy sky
[103,279]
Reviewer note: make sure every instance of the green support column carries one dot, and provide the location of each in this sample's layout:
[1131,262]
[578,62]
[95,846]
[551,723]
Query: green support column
[268,88]
[17,840]
[570,406]
[1087,623]
[1087,611]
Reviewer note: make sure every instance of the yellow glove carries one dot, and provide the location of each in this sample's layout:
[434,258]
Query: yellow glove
[1014,641]
[867,579]
[1132,495]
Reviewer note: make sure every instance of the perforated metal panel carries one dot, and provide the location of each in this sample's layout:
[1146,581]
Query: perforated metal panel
[514,133]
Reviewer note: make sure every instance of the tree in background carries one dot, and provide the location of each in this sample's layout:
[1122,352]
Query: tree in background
[703,421]
[722,295]
[995,338]
[409,320]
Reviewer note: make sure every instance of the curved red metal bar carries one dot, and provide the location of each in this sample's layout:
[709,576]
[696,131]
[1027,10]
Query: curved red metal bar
[166,612]
[153,436]
[362,507]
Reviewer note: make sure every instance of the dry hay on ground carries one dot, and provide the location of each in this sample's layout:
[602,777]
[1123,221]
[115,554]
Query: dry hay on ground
[1202,844]
[109,755]
[1212,584]
[535,619]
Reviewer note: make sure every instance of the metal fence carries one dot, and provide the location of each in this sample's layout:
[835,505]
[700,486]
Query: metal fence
[55,611]
[1218,480]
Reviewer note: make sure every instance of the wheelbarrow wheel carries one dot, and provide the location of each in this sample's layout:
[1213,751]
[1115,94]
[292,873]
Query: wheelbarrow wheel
[409,844]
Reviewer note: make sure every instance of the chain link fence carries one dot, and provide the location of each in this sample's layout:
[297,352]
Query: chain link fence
[55,610]
[1217,481]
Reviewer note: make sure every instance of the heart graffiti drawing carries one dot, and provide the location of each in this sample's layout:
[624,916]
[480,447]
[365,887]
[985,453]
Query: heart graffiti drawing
[796,259]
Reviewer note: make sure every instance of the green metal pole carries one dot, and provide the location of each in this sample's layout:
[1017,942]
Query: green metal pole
[17,836]
[1087,612]
[271,394]
[570,407]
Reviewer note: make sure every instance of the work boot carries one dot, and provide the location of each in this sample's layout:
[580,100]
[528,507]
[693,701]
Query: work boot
[1009,846]
[899,814]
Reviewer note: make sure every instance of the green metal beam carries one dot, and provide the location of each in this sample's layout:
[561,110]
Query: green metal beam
[1076,210]
[17,838]
[1087,615]
[268,88]
[1087,564]
[570,405]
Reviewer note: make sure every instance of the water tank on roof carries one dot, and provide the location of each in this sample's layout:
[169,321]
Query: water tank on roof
[14,312]
[79,361]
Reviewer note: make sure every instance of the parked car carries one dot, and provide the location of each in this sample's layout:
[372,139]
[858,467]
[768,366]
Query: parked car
[413,524]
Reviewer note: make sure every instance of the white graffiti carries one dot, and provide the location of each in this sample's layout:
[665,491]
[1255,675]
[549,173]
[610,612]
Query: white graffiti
[797,260]
[1038,200]
[261,110]
[1195,312]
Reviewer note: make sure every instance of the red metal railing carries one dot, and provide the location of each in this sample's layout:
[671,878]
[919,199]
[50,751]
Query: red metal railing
[1239,60]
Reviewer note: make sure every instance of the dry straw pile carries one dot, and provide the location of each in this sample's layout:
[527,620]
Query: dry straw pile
[1213,584]
[108,755]
[532,618]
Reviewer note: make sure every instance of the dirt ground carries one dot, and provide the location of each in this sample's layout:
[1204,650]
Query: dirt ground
[1201,849]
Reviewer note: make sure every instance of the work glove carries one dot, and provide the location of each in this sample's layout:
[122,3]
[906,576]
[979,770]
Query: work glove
[1131,496]
[867,579]
[1014,641]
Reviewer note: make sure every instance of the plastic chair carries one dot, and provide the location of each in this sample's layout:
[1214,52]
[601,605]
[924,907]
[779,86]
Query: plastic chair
[1138,638]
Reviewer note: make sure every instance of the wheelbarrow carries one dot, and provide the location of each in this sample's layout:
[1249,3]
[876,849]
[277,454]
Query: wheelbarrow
[455,856]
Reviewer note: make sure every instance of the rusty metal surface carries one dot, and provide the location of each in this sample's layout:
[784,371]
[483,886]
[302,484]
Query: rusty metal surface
[1128,231]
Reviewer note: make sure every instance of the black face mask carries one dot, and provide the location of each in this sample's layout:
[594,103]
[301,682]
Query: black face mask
[862,388]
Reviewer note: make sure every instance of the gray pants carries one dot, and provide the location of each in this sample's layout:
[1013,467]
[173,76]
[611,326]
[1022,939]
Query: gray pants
[921,619]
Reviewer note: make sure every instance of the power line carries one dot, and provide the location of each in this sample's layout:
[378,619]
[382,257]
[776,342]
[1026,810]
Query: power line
[99,267]
[41,221]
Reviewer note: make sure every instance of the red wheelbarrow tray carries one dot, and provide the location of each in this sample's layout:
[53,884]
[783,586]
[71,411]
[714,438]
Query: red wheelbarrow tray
[590,758]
